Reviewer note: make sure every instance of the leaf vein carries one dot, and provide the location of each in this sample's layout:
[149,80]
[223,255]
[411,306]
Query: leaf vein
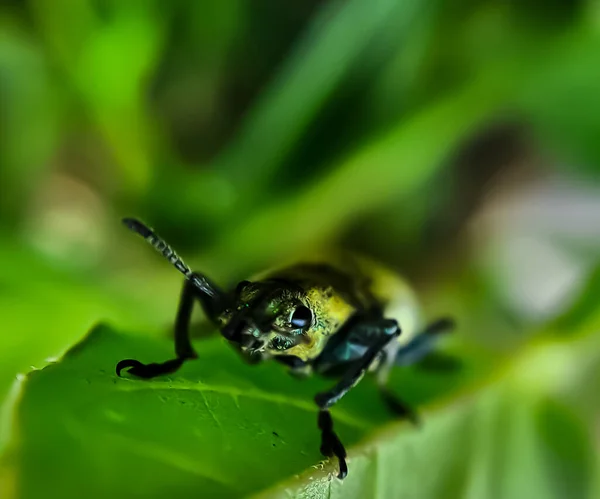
[269,397]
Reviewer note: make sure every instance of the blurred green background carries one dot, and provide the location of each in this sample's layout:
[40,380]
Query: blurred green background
[458,142]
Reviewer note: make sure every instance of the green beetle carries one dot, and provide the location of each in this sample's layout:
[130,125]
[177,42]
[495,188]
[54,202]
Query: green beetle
[340,319]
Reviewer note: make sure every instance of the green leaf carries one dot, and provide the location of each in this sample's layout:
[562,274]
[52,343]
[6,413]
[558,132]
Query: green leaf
[221,428]
[218,425]
[507,440]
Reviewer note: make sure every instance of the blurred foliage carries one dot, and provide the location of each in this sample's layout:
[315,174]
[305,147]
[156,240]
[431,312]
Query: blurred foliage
[456,141]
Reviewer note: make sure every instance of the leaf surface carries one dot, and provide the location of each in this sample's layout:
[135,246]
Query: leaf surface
[222,428]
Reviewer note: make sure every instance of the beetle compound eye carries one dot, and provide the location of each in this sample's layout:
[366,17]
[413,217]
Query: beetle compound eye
[301,317]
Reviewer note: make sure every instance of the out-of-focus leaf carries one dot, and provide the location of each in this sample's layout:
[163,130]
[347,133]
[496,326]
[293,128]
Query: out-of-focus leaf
[28,119]
[107,55]
[584,314]
[336,41]
[566,449]
[561,101]
[392,165]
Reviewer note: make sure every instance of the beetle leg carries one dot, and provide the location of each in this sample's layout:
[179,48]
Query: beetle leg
[423,343]
[330,442]
[148,371]
[399,407]
[381,332]
[384,331]
[394,404]
[183,346]
[415,351]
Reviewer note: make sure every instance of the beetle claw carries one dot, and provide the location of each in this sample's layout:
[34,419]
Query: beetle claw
[343,468]
[130,364]
[147,371]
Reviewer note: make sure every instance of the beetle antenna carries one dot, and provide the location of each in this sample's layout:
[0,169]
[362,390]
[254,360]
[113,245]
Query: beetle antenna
[165,250]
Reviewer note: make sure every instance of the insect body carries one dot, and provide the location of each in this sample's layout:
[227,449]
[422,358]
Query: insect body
[340,320]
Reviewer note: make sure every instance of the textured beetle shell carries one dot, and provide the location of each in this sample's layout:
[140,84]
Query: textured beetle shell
[336,286]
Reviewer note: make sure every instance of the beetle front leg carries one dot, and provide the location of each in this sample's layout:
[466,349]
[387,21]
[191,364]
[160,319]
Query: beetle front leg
[196,287]
[183,346]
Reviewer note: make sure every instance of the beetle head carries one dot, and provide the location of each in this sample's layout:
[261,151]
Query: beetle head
[269,316]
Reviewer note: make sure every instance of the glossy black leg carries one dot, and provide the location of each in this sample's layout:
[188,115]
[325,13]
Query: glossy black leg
[147,371]
[380,332]
[183,346]
[331,444]
[383,332]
